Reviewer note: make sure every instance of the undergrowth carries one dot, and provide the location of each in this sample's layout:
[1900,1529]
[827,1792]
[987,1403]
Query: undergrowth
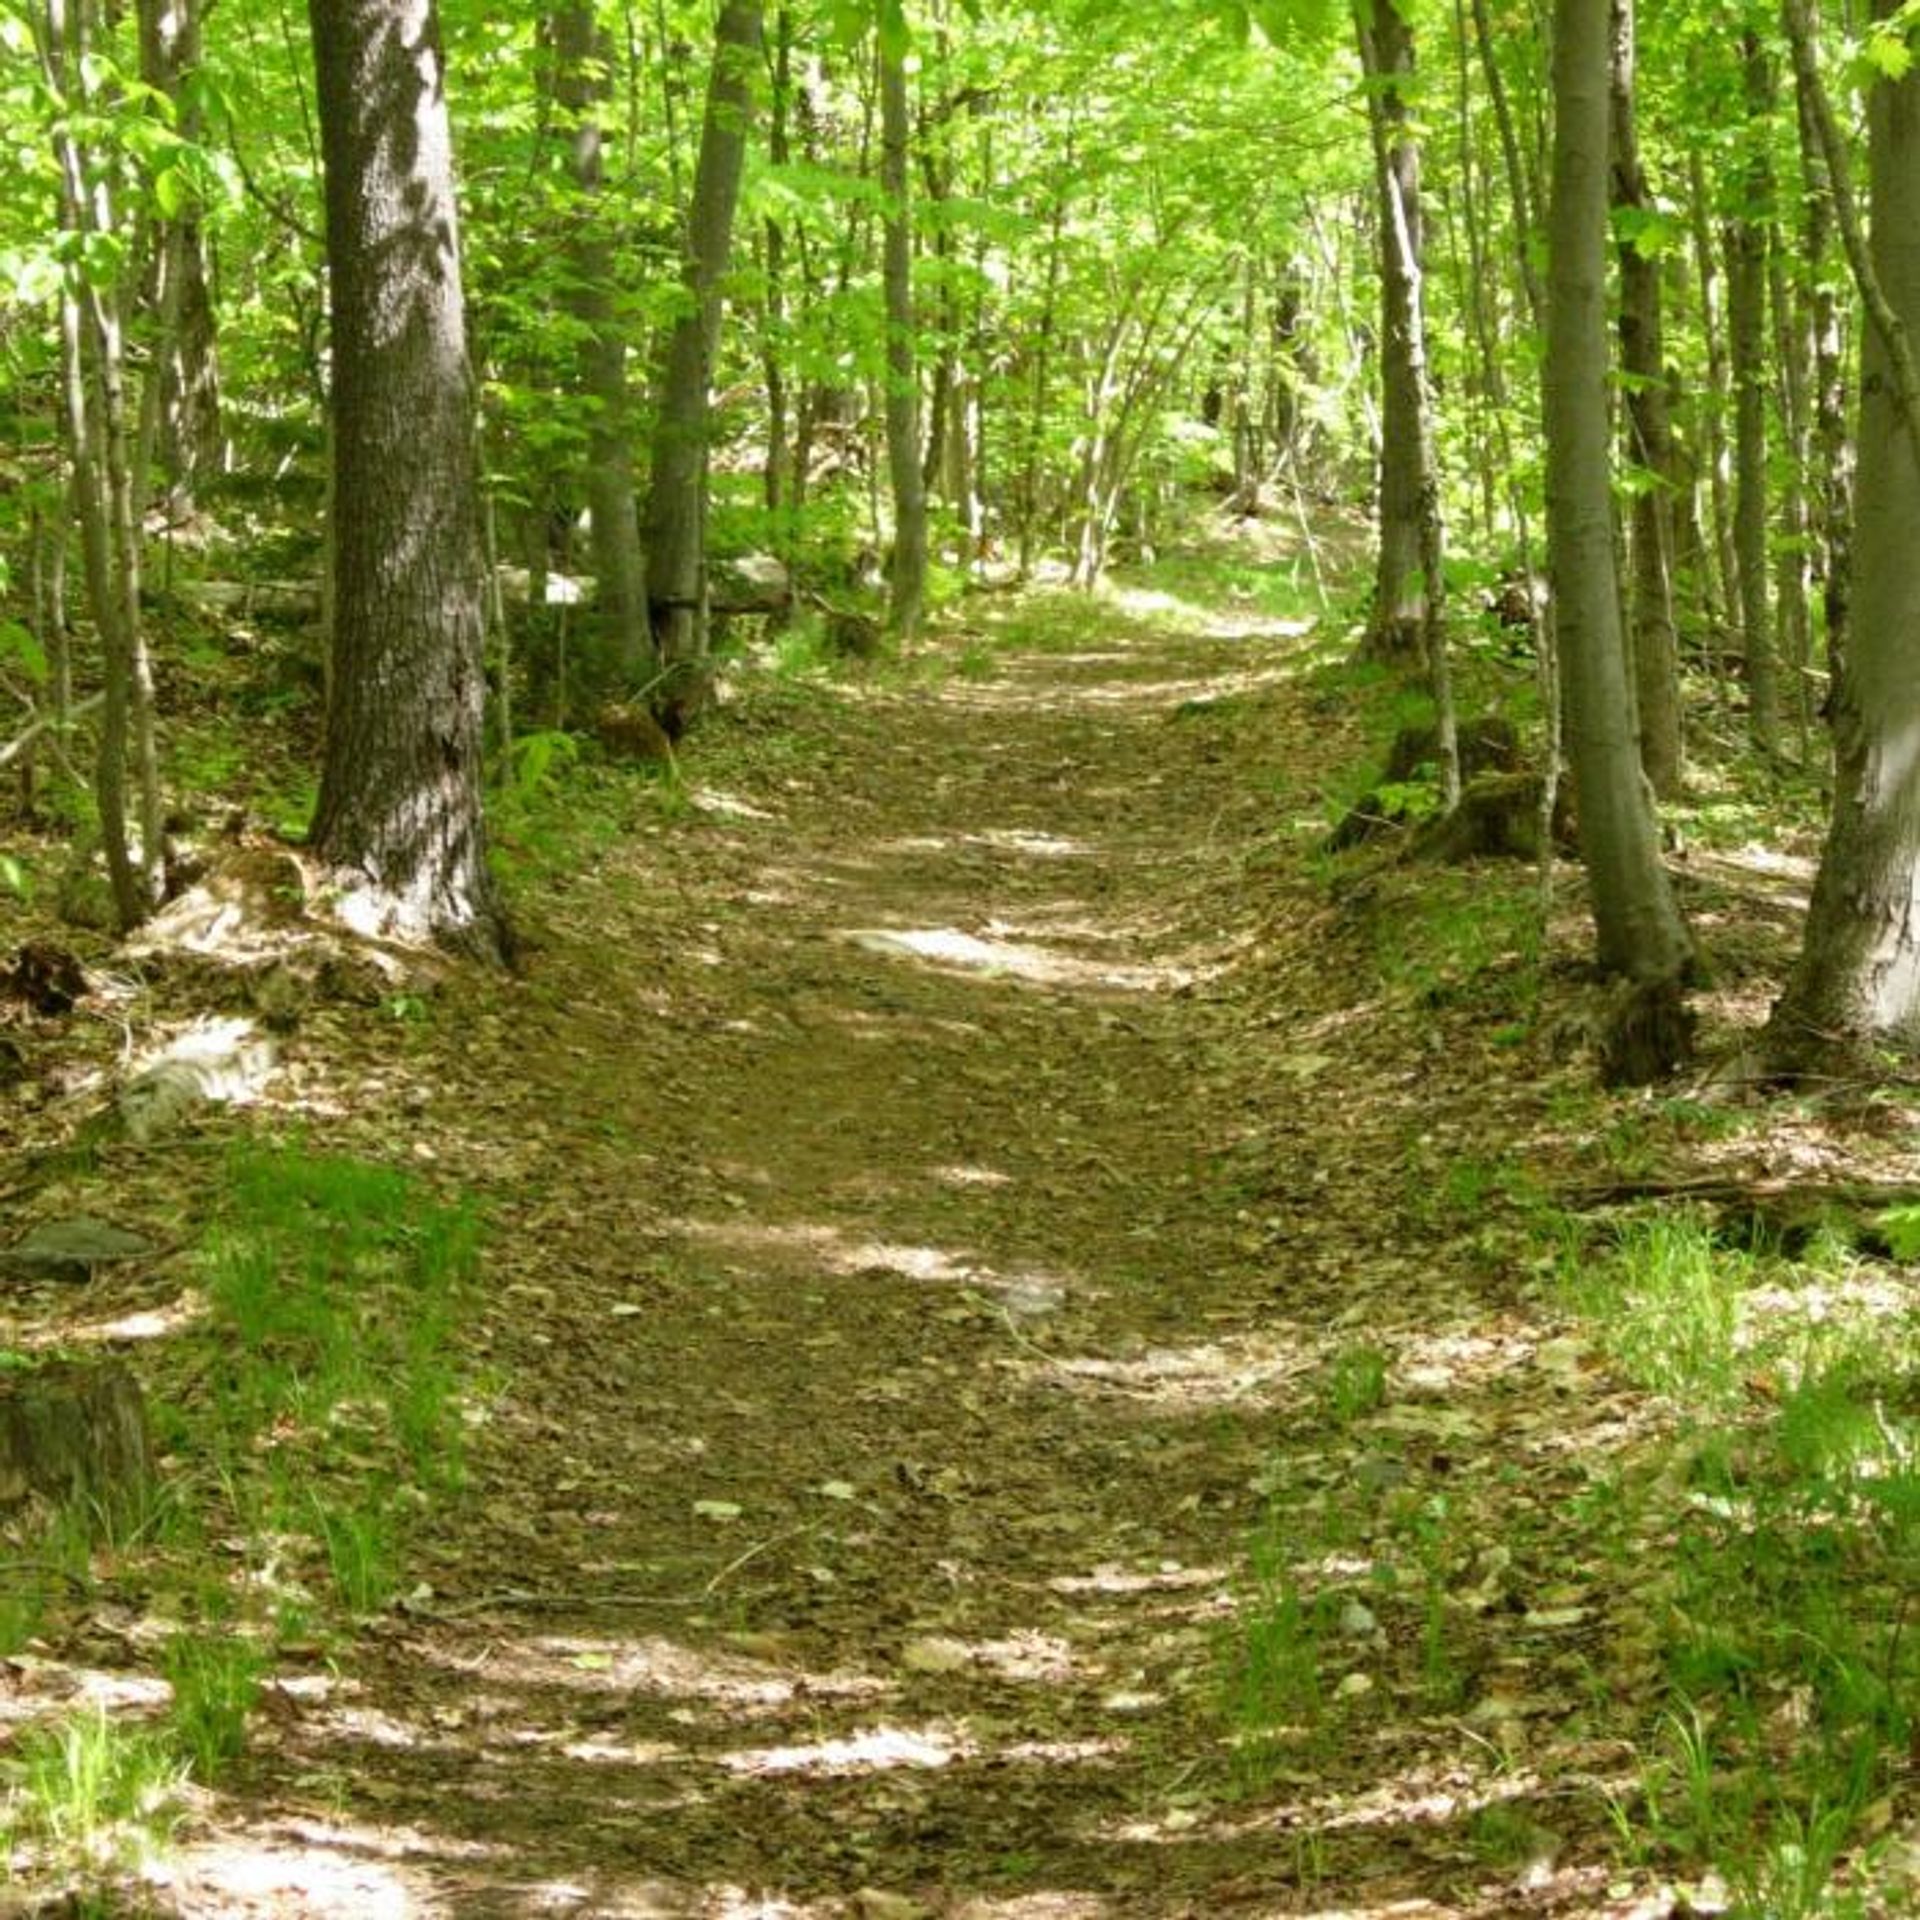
[327,1419]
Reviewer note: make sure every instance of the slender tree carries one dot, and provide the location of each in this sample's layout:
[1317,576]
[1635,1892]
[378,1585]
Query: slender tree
[1408,485]
[399,813]
[1641,936]
[677,494]
[1655,649]
[1748,235]
[582,84]
[907,573]
[1856,986]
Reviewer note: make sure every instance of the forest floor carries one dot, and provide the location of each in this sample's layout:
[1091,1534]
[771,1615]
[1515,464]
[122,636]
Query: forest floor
[1016,1371]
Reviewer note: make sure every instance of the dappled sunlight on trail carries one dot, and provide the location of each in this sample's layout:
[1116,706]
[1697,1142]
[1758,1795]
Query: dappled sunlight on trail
[986,1235]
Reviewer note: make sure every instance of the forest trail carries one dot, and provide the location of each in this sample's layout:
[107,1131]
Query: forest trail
[946,1191]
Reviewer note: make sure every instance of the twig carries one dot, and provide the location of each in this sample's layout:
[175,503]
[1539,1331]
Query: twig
[45,723]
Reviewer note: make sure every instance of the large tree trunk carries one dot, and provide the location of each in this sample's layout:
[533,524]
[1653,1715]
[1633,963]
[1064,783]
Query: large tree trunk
[1655,651]
[400,799]
[677,495]
[1856,987]
[582,82]
[1397,626]
[907,574]
[1640,933]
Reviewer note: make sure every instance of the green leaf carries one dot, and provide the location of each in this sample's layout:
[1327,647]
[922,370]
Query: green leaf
[896,36]
[1887,56]
[848,21]
[18,645]
[171,192]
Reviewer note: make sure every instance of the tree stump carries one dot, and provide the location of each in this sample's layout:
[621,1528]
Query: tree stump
[74,1433]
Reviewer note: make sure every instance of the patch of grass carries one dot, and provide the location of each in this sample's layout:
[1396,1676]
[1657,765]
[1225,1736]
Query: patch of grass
[1666,1298]
[1457,937]
[1354,1384]
[92,1793]
[1272,1689]
[1789,1491]
[216,1683]
[361,1553]
[335,1287]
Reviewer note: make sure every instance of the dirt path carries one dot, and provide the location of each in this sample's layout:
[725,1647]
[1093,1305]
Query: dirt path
[925,1242]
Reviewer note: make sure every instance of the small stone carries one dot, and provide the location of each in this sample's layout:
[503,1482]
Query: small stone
[68,1251]
[1358,1620]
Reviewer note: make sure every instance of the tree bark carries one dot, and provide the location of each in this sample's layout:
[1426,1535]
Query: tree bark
[105,486]
[677,495]
[1640,934]
[180,423]
[1397,625]
[907,573]
[582,81]
[1654,647]
[399,813]
[1747,236]
[1856,987]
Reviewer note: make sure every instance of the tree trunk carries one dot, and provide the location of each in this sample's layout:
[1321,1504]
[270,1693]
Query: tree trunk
[105,486]
[180,425]
[1397,625]
[400,796]
[1856,987]
[677,496]
[1723,571]
[907,575]
[1832,443]
[775,489]
[1640,933]
[582,83]
[1654,650]
[1747,351]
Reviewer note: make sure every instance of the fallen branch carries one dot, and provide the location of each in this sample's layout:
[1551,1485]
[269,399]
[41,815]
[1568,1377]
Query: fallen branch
[46,723]
[1730,1190]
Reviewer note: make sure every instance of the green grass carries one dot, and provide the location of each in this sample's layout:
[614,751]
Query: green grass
[216,1682]
[1273,1692]
[89,1793]
[335,1407]
[1667,1301]
[1789,1485]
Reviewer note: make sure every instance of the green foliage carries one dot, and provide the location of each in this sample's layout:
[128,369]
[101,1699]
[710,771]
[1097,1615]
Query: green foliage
[1355,1384]
[336,1285]
[92,1792]
[1668,1301]
[216,1683]
[1271,1682]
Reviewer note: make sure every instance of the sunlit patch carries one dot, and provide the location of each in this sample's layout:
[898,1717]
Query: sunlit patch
[146,1323]
[333,1878]
[882,1750]
[1024,1290]
[1258,1367]
[959,952]
[727,806]
[1061,1905]
[371,1728]
[1065,1753]
[1167,1578]
[622,1753]
[972,1177]
[1036,846]
[666,1669]
[48,1686]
